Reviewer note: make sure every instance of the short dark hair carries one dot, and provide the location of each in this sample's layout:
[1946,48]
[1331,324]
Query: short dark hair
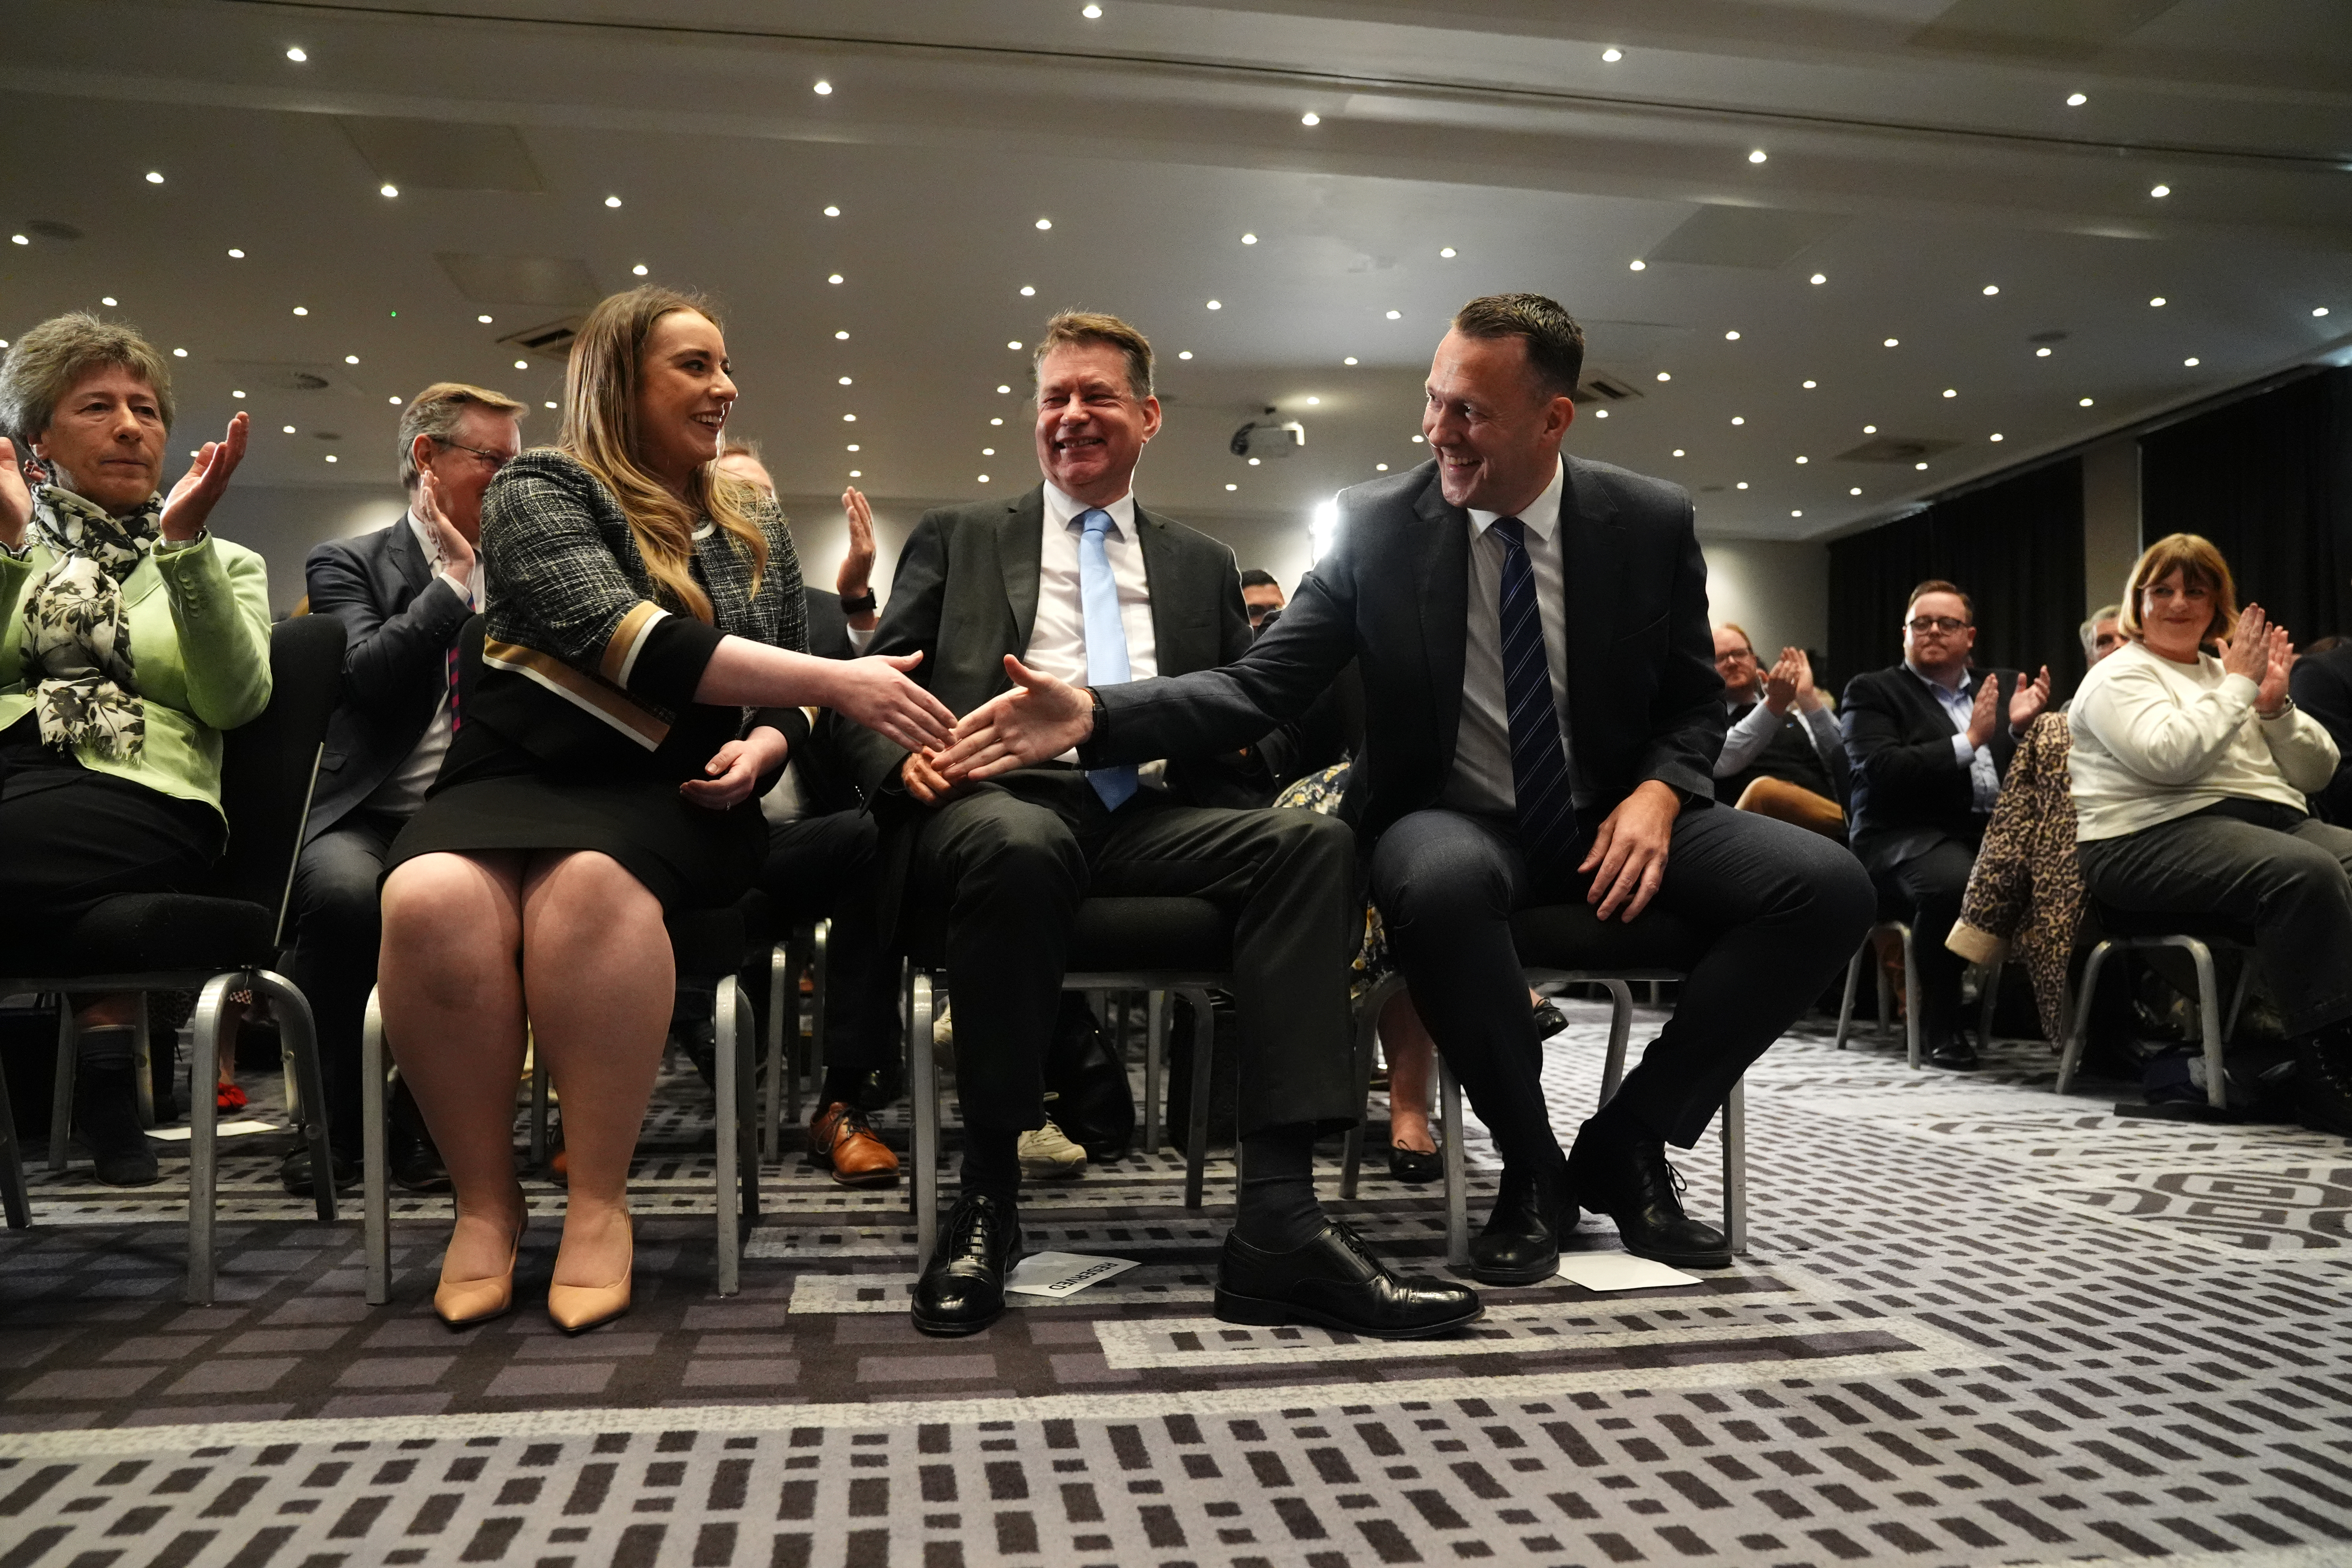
[1937,586]
[1555,342]
[1068,328]
[1259,577]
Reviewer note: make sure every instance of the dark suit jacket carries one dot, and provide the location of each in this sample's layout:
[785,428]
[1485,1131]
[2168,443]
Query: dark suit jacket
[399,622]
[1909,791]
[965,594]
[1644,700]
[2321,684]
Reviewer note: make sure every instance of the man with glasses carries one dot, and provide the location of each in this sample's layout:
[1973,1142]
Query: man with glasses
[403,594]
[1929,742]
[1782,755]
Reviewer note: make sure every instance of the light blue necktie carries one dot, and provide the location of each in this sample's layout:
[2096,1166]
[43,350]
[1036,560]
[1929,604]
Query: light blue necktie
[1106,639]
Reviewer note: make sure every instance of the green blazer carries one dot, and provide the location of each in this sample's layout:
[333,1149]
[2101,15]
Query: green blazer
[199,618]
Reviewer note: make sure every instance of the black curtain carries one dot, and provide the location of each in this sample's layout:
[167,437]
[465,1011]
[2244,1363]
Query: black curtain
[2016,547]
[2269,482]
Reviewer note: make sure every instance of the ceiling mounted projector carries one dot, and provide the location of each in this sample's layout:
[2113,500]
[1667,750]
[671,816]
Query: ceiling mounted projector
[1269,437]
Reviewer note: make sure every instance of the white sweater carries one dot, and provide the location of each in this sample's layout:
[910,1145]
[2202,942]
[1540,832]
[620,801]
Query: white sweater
[2154,741]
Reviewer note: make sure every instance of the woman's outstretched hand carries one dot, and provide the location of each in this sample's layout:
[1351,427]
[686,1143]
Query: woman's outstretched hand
[201,488]
[1040,717]
[735,771]
[876,692]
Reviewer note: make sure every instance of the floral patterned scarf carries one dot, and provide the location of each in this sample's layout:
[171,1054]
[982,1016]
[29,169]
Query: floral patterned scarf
[78,638]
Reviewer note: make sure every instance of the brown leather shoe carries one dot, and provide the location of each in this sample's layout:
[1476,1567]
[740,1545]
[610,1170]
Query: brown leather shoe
[840,1140]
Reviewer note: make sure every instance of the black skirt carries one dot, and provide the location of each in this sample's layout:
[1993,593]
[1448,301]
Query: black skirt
[493,795]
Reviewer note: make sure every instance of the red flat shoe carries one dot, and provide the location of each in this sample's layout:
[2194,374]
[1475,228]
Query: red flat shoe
[229,1097]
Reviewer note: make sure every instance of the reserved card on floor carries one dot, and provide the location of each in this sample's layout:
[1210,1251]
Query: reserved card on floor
[1063,1273]
[220,1130]
[1620,1271]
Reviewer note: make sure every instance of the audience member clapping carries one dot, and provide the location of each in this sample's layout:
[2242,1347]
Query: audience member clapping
[133,638]
[1782,755]
[2190,770]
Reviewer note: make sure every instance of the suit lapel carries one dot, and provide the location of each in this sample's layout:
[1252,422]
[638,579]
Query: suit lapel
[1019,544]
[1443,562]
[408,556]
[1590,561]
[1167,581]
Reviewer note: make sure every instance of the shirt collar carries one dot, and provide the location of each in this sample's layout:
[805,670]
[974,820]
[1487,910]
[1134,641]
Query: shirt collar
[1540,516]
[1932,684]
[425,540]
[1064,511]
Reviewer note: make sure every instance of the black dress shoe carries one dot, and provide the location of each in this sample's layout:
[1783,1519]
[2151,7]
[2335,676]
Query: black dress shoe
[1521,1242]
[294,1172]
[1952,1053]
[1333,1280]
[1628,1179]
[962,1287]
[1549,1020]
[1415,1166]
[105,1118]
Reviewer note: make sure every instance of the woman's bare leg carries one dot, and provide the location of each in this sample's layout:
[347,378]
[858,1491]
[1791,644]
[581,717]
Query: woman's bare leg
[1413,1060]
[600,982]
[453,1016]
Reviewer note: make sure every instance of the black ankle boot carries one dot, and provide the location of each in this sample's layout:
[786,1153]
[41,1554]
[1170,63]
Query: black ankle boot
[2323,1088]
[106,1119]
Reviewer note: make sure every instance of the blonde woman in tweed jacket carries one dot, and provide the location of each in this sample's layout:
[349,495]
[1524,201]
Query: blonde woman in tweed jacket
[641,679]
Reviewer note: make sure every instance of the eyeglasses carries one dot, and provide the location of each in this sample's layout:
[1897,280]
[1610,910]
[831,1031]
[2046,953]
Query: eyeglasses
[1736,656]
[1923,625]
[497,460]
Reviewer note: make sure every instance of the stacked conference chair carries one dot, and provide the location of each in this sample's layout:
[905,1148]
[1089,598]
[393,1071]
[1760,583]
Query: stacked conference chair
[223,941]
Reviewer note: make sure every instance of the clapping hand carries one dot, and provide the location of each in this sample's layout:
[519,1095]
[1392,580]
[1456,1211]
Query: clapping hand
[1039,719]
[1781,683]
[16,498]
[856,574]
[1987,710]
[456,554]
[2263,654]
[201,488]
[2026,703]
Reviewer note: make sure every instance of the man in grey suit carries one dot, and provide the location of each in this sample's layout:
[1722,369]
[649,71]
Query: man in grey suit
[1541,721]
[1078,579]
[403,594]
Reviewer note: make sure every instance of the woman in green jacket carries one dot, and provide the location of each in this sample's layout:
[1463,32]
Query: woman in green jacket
[129,639]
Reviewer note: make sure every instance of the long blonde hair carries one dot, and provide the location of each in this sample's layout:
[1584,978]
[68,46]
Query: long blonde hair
[600,430]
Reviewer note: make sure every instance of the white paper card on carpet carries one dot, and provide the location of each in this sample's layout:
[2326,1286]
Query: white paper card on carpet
[220,1130]
[1062,1273]
[1620,1271]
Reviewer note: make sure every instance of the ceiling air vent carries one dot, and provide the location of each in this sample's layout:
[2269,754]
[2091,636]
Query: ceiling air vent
[280,376]
[49,229]
[551,341]
[1607,387]
[1896,449]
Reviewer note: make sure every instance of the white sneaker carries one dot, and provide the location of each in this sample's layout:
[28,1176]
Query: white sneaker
[1047,1157]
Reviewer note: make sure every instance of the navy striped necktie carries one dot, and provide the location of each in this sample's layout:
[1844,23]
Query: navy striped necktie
[1547,814]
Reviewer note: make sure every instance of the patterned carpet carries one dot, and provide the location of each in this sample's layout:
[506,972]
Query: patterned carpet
[1979,1325]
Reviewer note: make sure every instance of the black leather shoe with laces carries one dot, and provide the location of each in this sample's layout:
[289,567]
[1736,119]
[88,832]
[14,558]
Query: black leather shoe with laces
[2323,1083]
[1628,1179]
[1520,1244]
[962,1287]
[1335,1281]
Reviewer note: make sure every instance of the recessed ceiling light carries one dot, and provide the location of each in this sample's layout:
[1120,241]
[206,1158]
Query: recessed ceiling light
[1613,55]
[833,212]
[1027,291]
[1447,252]
[1601,414]
[1819,277]
[182,354]
[1252,462]
[1310,118]
[1921,466]
[522,364]
[1416,440]
[1804,459]
[1233,487]
[350,359]
[1811,385]
[1045,223]
[154,177]
[1350,360]
[296,54]
[1992,288]
[1313,400]
[331,457]
[1004,389]
[1855,490]
[1184,353]
[1249,239]
[822,89]
[1666,375]
[1736,419]
[387,189]
[639,269]
[393,401]
[1732,337]
[2082,402]
[551,402]
[240,394]
[834,277]
[1216,305]
[1380,467]
[1757,156]
[851,448]
[2319,310]
[2159,190]
[1637,265]
[1994,437]
[108,299]
[988,451]
[1870,430]
[2041,353]
[299,309]
[1891,342]
[236,254]
[849,418]
[845,381]
[2076,100]
[1396,315]
[996,422]
[1012,344]
[1794,512]
[483,320]
[290,430]
[1091,12]
[2191,360]
[1951,392]
[841,337]
[1679,451]
[858,473]
[2157,303]
[984,479]
[1743,484]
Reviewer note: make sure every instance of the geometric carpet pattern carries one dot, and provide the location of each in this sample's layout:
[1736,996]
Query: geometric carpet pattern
[1978,1325]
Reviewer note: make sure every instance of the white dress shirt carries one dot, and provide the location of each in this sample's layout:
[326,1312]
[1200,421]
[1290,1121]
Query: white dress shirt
[1482,779]
[1057,640]
[403,789]
[1958,705]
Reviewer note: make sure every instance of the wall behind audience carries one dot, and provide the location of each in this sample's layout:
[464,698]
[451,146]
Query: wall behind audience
[1778,590]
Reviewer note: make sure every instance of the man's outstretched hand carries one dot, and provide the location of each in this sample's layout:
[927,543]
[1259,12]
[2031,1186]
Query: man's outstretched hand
[1038,720]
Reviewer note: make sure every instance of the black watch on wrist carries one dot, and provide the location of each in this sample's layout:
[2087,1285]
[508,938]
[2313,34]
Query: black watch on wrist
[861,606]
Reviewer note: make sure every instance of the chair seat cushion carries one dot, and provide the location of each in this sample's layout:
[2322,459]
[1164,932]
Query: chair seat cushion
[146,933]
[1570,936]
[2206,926]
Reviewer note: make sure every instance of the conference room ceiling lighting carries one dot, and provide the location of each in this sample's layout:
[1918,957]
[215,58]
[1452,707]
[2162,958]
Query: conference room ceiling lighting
[2159,192]
[996,422]
[1757,156]
[1045,223]
[612,201]
[1028,292]
[1893,342]
[551,402]
[108,299]
[1396,315]
[182,354]
[522,364]
[299,309]
[1350,360]
[1216,305]
[2319,310]
[1951,392]
[1002,389]
[240,392]
[2156,303]
[858,473]
[1091,12]
[1794,513]
[1992,288]
[387,189]
[1742,485]
[296,54]
[1736,419]
[1637,265]
[638,271]
[1666,375]
[1184,353]
[1921,466]
[841,337]
[1679,451]
[851,448]
[845,381]
[1249,239]
[154,177]
[1732,337]
[2041,353]
[1233,487]
[988,451]
[822,89]
[2076,100]
[834,277]
[833,212]
[984,479]
[1310,118]
[2082,403]
[1818,279]
[1855,490]
[1994,437]
[290,430]
[849,418]
[236,254]
[331,457]
[1446,252]
[1870,430]
[1804,459]
[1013,343]
[2191,362]
[1380,467]
[348,359]
[1810,384]
[483,320]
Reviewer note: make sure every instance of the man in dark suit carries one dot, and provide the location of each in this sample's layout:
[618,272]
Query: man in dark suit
[1541,721]
[403,594]
[1078,579]
[1930,744]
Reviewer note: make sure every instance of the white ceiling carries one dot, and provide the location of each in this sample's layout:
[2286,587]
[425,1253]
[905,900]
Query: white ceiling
[1917,152]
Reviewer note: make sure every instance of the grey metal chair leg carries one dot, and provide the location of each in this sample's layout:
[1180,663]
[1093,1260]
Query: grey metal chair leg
[13,1195]
[1457,1179]
[1204,1046]
[727,1113]
[1735,1167]
[1621,1031]
[203,1114]
[922,1087]
[780,1060]
[298,1054]
[2238,996]
[1155,1044]
[143,1066]
[820,941]
[1910,996]
[61,1088]
[1368,1039]
[2072,1057]
[1846,1008]
[2209,1021]
[375,1182]
[1885,994]
[1988,998]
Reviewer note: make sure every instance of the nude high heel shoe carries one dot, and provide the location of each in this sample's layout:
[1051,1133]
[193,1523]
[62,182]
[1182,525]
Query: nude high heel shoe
[576,1309]
[462,1303]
